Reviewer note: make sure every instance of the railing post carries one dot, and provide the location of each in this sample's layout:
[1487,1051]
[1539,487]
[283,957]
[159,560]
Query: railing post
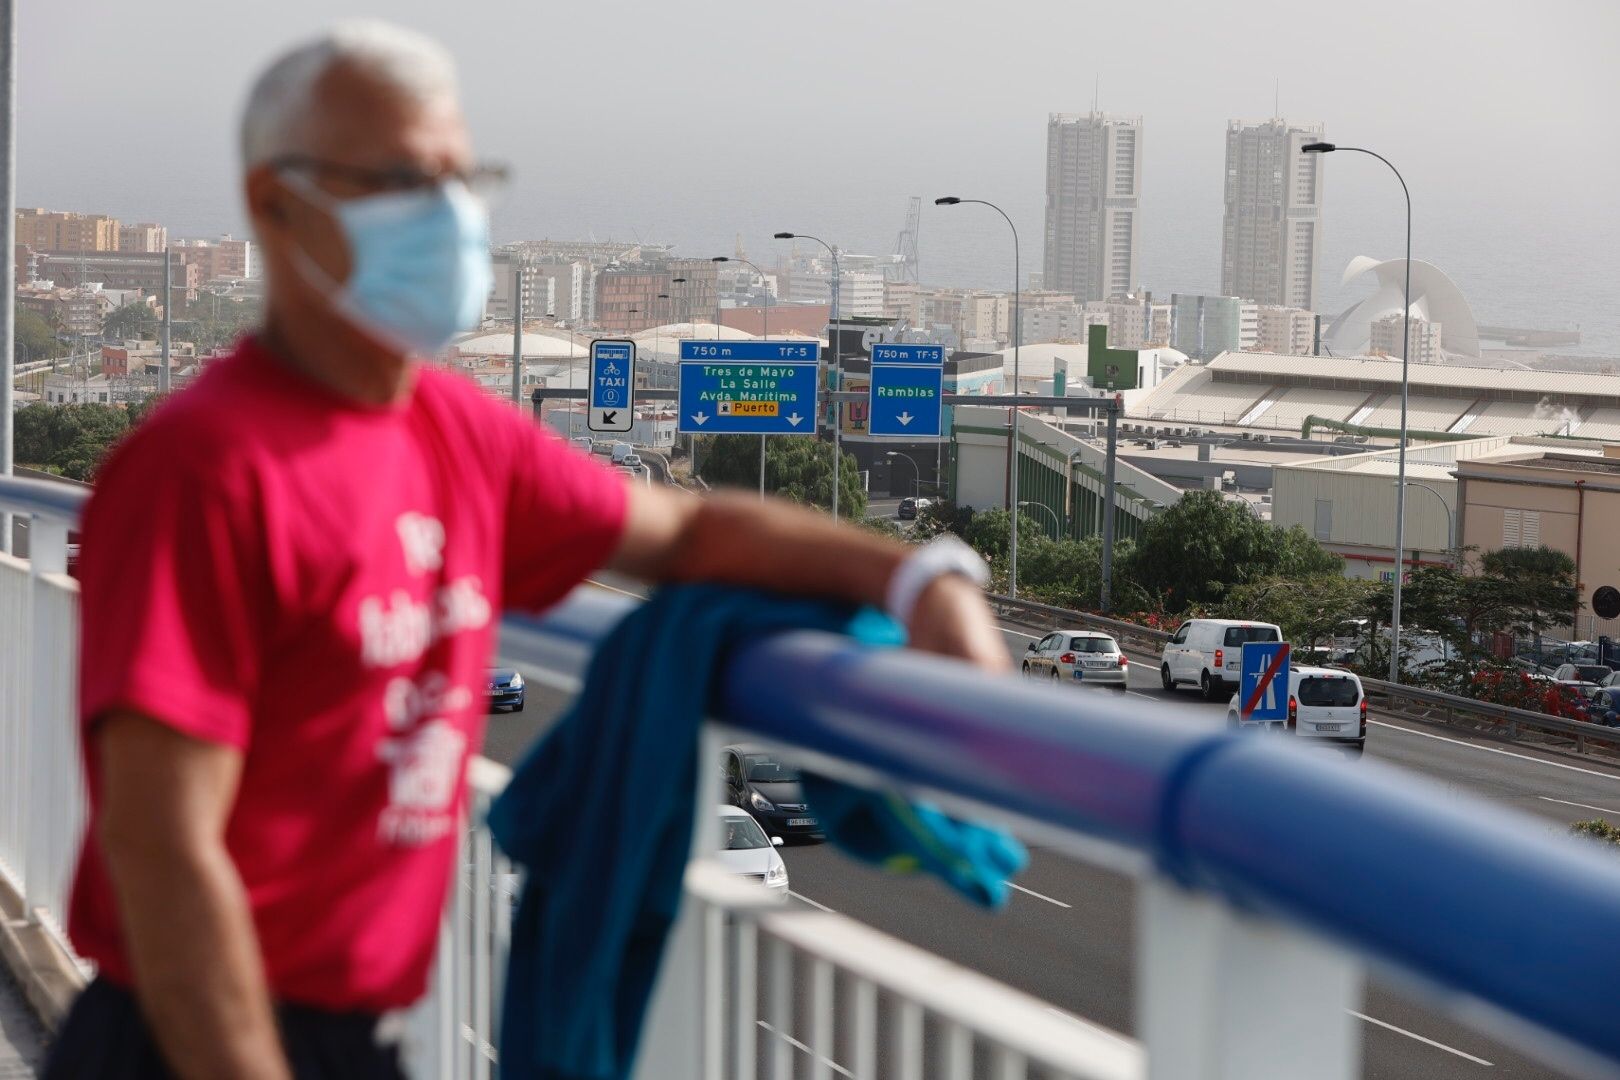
[1224,997]
[47,554]
[673,1046]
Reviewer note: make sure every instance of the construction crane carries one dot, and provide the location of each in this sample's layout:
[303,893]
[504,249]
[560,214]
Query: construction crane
[905,247]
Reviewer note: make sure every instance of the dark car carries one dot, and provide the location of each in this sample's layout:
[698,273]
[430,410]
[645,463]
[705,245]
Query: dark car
[505,689]
[908,510]
[757,780]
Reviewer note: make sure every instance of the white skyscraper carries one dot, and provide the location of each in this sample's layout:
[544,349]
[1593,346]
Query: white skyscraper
[1273,225]
[1093,204]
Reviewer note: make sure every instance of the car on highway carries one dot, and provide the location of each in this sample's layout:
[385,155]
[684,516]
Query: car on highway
[1082,656]
[746,851]
[1208,654]
[1592,673]
[1323,703]
[756,780]
[909,508]
[504,689]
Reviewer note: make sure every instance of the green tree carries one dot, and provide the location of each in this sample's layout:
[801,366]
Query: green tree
[1312,611]
[68,439]
[1204,544]
[32,435]
[940,517]
[211,321]
[138,411]
[35,339]
[798,469]
[132,322]
[1537,586]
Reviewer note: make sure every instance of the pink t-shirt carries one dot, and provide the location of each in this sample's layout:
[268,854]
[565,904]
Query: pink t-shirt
[317,583]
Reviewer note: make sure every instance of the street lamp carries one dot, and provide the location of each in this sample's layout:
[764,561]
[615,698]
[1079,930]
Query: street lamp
[1057,526]
[838,363]
[1012,430]
[1400,467]
[916,483]
[1451,526]
[765,309]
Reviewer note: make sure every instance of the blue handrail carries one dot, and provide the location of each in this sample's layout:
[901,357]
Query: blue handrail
[1464,896]
[58,502]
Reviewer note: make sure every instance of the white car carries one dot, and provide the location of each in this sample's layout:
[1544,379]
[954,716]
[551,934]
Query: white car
[1323,703]
[1208,654]
[1077,656]
[1592,673]
[745,850]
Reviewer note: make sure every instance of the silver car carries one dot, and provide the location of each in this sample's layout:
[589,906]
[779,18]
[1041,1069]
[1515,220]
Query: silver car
[1077,656]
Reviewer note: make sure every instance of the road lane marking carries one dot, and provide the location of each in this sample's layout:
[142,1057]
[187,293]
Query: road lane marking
[797,1045]
[1020,633]
[1583,806]
[1139,693]
[1036,895]
[1494,750]
[1420,1038]
[815,904]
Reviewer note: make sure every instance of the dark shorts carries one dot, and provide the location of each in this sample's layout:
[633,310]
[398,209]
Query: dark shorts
[105,1037]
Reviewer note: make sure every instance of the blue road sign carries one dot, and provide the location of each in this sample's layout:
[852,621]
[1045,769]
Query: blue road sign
[1263,685]
[612,387]
[907,395]
[748,387]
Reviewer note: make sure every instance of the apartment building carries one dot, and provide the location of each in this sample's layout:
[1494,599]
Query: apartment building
[1286,330]
[52,230]
[145,236]
[1272,228]
[1424,345]
[1203,327]
[1093,204]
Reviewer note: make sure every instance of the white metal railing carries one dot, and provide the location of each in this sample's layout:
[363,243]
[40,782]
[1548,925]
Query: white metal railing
[41,780]
[1252,946]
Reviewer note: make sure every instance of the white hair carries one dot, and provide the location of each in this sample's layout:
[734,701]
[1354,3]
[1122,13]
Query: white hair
[275,120]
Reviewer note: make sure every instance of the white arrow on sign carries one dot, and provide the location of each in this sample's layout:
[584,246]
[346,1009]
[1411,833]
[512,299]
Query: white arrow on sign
[699,419]
[794,419]
[904,418]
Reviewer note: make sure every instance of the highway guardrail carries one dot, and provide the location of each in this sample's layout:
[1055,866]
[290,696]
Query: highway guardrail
[1397,699]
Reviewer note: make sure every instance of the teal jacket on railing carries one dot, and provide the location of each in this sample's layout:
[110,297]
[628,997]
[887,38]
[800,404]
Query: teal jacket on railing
[600,815]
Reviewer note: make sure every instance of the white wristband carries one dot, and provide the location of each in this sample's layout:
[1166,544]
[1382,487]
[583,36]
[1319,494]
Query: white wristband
[947,555]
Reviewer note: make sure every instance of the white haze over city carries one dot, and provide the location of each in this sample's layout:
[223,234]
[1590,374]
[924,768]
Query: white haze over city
[691,123]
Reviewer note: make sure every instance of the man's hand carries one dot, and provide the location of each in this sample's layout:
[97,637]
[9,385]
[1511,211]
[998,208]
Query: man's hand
[952,619]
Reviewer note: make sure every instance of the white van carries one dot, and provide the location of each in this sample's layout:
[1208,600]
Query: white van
[1323,703]
[621,451]
[1208,654]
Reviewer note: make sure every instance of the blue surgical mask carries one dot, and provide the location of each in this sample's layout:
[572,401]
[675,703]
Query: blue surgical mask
[419,263]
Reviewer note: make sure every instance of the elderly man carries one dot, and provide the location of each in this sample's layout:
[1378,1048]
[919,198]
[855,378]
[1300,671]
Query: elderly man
[292,576]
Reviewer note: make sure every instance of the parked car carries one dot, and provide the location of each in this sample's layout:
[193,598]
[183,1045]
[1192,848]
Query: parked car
[505,689]
[1083,656]
[1323,703]
[1592,673]
[1603,707]
[1208,654]
[746,851]
[757,781]
[1569,700]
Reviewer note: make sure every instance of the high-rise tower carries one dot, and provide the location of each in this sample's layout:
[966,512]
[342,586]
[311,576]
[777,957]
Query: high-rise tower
[1273,226]
[1093,204]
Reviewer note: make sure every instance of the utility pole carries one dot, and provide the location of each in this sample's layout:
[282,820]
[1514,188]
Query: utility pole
[1107,589]
[8,239]
[168,324]
[517,341]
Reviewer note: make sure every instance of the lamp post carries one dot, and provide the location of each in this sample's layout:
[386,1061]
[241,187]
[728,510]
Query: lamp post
[765,318]
[1057,526]
[1451,520]
[915,483]
[1012,430]
[1400,467]
[838,364]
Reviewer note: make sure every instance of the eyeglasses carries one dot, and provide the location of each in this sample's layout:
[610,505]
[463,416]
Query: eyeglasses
[484,180]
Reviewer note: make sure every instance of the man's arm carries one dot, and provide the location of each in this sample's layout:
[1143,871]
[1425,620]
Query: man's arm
[165,800]
[740,540]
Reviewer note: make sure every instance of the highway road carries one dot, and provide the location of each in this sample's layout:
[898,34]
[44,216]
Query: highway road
[1068,935]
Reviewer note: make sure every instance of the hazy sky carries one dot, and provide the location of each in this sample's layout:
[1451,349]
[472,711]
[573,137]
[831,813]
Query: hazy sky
[689,122]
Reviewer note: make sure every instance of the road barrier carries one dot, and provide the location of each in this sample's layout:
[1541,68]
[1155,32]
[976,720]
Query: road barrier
[1396,699]
[1269,878]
